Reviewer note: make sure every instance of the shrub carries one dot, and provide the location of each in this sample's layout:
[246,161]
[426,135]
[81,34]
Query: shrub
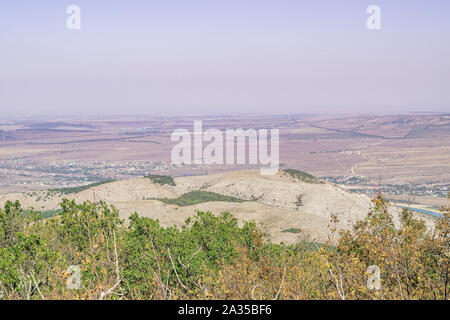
[302,176]
[80,188]
[215,257]
[195,197]
[161,180]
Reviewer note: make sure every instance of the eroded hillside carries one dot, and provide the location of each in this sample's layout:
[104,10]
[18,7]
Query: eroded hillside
[290,206]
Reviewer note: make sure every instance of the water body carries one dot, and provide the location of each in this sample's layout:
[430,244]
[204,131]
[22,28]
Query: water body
[432,213]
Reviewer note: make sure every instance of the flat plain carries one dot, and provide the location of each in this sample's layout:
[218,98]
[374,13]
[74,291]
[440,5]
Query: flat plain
[406,157]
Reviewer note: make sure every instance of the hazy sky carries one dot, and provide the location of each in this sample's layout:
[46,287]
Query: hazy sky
[223,56]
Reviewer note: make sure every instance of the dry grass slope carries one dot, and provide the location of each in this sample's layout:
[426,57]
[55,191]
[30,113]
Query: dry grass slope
[270,200]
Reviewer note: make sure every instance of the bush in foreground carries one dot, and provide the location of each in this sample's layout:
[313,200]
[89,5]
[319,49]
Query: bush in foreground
[88,252]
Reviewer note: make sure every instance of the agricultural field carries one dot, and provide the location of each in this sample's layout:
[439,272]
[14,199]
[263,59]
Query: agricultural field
[402,156]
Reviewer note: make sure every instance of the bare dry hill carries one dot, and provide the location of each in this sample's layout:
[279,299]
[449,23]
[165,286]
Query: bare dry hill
[283,203]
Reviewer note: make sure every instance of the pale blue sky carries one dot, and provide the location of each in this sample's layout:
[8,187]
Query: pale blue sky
[223,56]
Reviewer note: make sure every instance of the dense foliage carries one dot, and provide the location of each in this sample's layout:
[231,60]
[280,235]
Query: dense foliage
[78,189]
[302,176]
[88,252]
[162,180]
[196,197]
